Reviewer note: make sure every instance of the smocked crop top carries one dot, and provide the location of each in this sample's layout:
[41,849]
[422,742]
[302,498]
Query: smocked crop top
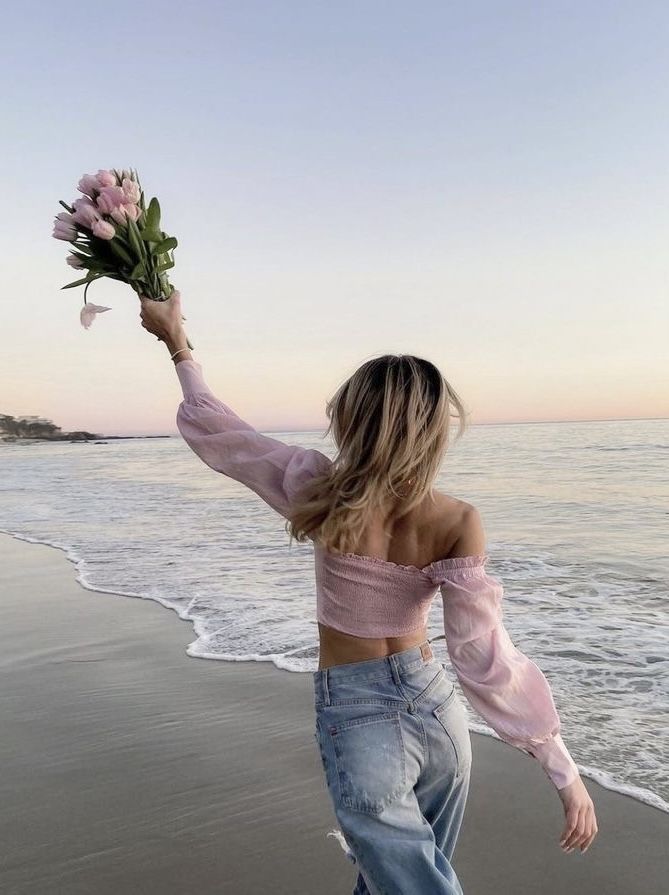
[368,596]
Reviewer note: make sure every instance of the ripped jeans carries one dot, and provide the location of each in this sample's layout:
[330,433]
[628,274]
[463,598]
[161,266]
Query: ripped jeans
[396,751]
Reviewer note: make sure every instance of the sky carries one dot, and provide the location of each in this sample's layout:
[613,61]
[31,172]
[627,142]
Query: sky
[480,184]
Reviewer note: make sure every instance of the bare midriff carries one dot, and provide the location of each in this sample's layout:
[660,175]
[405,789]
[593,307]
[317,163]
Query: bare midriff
[338,648]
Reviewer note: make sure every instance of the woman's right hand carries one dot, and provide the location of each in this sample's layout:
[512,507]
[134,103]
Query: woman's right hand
[580,822]
[162,318]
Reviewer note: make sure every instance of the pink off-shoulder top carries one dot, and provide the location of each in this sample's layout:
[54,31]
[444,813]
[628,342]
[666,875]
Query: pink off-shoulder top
[368,596]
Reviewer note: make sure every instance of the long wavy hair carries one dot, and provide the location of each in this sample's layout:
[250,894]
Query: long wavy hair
[390,422]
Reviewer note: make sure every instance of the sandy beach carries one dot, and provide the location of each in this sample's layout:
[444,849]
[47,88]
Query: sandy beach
[129,767]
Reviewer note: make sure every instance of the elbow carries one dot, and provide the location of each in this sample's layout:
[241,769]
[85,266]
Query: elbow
[186,421]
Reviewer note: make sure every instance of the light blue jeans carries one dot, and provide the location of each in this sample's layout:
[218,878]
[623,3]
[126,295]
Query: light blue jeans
[396,751]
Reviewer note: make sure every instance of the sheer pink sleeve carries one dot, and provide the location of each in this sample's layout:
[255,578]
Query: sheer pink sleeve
[505,687]
[274,470]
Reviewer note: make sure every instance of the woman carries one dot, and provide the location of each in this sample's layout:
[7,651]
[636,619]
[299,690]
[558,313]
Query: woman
[391,730]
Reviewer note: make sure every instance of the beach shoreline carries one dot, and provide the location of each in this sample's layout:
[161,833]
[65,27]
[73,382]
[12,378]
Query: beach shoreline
[477,726]
[132,767]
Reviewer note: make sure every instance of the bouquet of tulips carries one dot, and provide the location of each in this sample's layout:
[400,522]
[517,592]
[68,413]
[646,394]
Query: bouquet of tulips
[114,234]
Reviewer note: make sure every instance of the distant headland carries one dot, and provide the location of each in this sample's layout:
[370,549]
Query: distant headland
[29,429]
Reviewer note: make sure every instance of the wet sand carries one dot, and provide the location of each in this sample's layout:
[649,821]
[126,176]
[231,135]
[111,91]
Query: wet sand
[129,767]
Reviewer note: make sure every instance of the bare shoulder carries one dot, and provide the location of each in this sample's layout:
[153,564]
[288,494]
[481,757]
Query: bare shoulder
[464,525]
[471,536]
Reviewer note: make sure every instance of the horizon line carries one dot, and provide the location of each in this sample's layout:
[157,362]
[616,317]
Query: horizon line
[614,419]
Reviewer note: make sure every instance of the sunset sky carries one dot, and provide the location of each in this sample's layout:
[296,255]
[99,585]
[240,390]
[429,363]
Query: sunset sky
[484,185]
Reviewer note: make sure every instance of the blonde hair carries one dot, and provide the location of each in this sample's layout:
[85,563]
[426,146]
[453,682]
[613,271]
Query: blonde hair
[390,422]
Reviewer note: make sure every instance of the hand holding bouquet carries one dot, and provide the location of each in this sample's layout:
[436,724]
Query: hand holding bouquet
[115,235]
[163,318]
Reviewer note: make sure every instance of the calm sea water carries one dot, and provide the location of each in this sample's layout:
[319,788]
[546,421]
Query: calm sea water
[577,518]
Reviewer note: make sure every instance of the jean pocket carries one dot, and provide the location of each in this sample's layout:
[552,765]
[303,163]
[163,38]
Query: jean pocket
[370,761]
[452,716]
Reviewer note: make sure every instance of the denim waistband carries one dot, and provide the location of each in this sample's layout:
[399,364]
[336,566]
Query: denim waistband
[391,667]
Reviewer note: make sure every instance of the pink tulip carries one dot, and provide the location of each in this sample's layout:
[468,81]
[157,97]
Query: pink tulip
[61,231]
[103,229]
[75,262]
[82,202]
[133,211]
[131,190]
[64,227]
[88,312]
[86,212]
[106,178]
[128,210]
[118,214]
[89,185]
[110,197]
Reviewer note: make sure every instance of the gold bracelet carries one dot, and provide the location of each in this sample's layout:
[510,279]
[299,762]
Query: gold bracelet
[172,356]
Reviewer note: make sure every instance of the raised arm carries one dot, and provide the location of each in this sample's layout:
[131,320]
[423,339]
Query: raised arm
[225,442]
[502,684]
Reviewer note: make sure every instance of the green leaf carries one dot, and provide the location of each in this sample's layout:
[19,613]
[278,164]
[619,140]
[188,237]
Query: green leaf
[92,263]
[83,247]
[166,266]
[137,271]
[166,245]
[120,252]
[87,279]
[151,235]
[153,216]
[135,239]
[121,236]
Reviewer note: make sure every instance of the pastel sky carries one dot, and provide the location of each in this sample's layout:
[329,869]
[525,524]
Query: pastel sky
[482,184]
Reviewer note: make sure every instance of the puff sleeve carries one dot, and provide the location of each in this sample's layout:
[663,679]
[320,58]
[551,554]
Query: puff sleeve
[272,469]
[503,685]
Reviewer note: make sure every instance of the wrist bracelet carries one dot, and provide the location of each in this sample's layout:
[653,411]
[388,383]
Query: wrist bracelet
[172,356]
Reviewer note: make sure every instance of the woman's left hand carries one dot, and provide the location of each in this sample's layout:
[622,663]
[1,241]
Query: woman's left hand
[162,318]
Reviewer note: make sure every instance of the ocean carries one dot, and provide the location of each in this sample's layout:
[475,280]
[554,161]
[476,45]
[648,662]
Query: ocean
[577,521]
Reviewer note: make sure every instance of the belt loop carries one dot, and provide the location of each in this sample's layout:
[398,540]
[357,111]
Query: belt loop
[426,651]
[326,688]
[393,668]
